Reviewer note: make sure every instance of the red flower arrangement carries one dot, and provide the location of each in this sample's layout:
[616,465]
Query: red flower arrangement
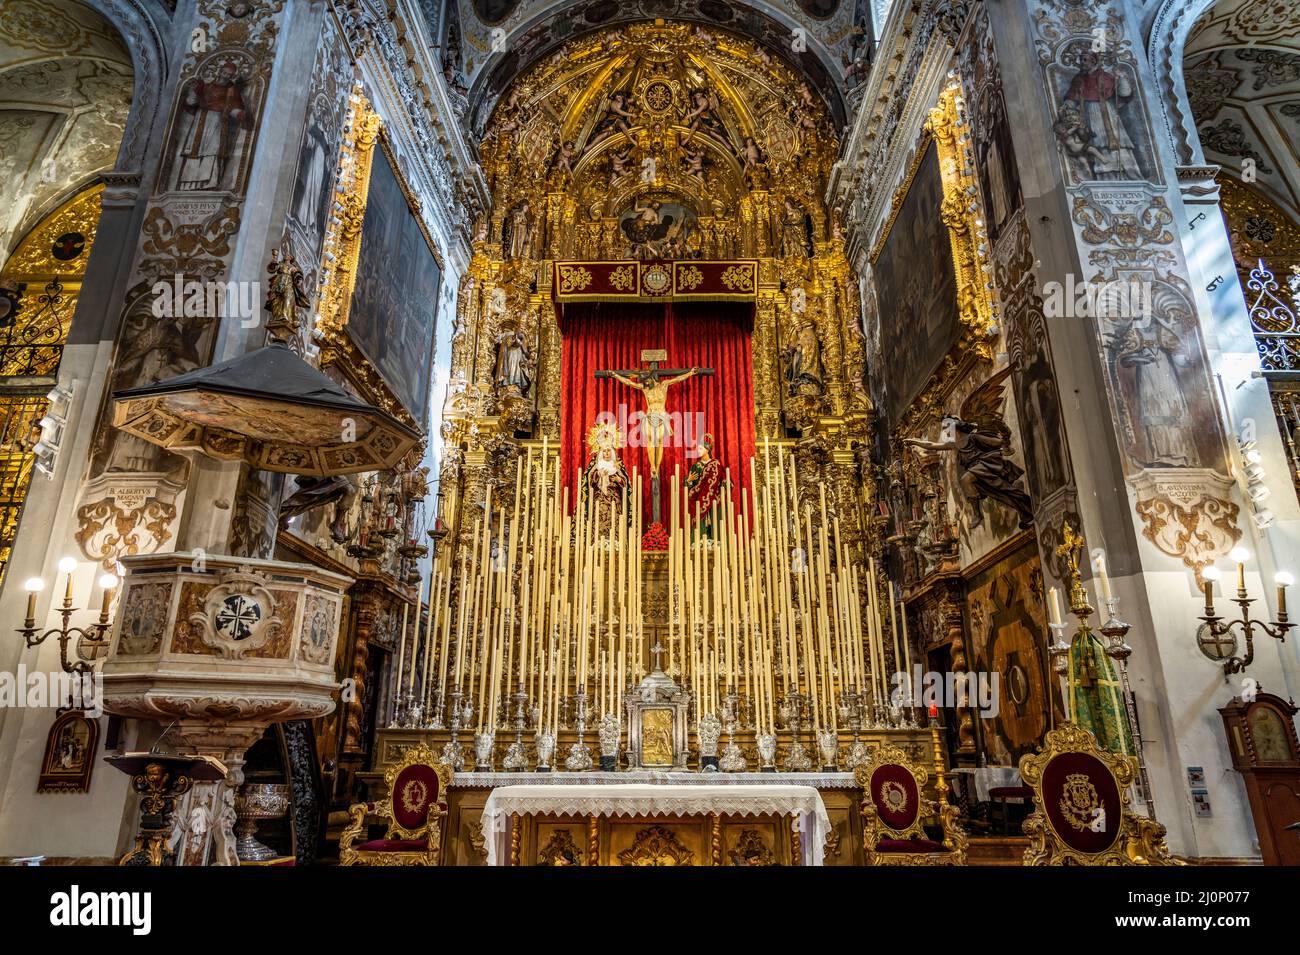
[655,537]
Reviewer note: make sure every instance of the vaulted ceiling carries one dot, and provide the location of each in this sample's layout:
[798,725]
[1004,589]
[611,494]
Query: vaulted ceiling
[494,41]
[1242,67]
[65,90]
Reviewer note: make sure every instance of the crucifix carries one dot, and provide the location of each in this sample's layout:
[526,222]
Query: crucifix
[653,382]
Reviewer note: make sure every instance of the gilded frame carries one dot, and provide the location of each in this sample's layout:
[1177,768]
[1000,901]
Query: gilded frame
[351,194]
[962,215]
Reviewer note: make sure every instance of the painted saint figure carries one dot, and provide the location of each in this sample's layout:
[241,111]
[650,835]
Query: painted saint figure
[1155,352]
[1096,133]
[216,112]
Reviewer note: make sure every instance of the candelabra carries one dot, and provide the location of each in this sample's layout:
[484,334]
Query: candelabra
[852,710]
[732,761]
[579,757]
[516,758]
[437,710]
[453,753]
[1218,628]
[796,759]
[93,637]
[1115,630]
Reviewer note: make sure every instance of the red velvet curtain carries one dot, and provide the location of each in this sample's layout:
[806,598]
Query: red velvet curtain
[611,335]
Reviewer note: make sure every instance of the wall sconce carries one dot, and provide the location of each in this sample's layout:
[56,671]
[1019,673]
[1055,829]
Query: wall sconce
[91,640]
[52,425]
[1255,489]
[1277,629]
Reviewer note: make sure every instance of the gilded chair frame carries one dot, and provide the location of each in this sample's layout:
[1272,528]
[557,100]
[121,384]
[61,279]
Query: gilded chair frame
[431,830]
[874,828]
[1140,841]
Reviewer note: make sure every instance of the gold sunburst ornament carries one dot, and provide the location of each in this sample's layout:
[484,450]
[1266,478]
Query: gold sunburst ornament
[602,435]
[893,796]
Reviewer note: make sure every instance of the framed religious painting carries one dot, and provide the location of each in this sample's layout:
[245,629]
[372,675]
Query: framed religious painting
[397,286]
[916,288]
[69,754]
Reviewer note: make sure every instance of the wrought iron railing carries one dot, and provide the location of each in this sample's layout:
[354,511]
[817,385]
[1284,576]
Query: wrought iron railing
[31,340]
[32,337]
[1276,325]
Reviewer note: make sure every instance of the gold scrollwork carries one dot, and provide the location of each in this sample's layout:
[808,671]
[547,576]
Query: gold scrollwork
[573,278]
[622,278]
[738,278]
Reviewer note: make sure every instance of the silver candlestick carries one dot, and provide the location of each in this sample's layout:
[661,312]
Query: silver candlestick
[453,753]
[579,757]
[797,759]
[1115,630]
[516,758]
[733,760]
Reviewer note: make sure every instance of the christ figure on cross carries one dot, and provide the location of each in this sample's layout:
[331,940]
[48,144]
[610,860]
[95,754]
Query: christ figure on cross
[653,383]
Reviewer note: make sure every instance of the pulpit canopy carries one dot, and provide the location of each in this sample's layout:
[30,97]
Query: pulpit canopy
[270,409]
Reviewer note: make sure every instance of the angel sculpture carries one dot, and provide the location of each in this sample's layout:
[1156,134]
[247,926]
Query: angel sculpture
[981,438]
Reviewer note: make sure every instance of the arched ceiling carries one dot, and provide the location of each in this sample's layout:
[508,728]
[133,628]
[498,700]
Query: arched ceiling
[1242,68]
[495,41]
[65,91]
[709,114]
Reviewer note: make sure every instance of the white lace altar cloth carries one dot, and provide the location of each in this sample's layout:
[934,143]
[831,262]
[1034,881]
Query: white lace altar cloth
[802,803]
[661,777]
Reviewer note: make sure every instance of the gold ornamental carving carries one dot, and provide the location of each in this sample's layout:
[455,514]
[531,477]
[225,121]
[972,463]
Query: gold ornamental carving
[945,128]
[656,846]
[574,278]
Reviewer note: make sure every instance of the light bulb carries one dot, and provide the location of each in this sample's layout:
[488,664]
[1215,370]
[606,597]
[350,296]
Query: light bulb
[1253,456]
[1239,555]
[108,581]
[34,585]
[1211,573]
[1283,579]
[67,565]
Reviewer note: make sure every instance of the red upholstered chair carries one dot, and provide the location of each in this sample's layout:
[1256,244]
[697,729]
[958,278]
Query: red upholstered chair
[414,808]
[1081,800]
[894,805]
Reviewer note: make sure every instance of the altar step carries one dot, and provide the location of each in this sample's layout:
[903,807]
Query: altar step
[996,850]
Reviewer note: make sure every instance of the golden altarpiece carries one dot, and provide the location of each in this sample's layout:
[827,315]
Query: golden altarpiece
[640,166]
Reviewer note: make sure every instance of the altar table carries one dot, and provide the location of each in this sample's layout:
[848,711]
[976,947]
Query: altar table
[802,805]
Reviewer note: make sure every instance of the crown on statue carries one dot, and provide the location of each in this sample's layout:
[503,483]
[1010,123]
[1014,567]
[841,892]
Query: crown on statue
[706,441]
[603,435]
